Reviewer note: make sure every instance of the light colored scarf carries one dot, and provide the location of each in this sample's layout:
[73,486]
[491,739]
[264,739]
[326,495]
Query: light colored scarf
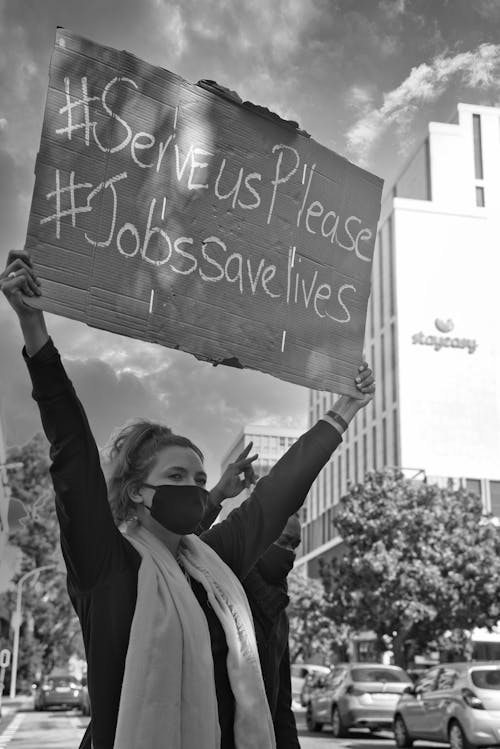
[168,698]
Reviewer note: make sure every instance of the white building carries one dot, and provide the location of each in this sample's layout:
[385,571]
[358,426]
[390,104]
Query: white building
[269,442]
[433,328]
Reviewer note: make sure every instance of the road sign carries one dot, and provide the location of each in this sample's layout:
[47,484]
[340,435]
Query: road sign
[4,658]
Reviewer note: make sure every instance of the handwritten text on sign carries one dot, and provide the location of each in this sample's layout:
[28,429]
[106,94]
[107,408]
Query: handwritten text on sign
[165,212]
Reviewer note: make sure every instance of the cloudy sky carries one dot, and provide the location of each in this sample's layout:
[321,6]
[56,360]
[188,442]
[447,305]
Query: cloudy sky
[362,76]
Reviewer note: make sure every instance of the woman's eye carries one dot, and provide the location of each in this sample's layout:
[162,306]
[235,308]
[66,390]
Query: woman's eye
[175,476]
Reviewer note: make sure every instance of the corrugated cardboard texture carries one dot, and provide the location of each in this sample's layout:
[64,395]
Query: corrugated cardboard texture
[167,212]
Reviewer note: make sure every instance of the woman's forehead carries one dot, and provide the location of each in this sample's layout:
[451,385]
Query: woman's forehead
[178,456]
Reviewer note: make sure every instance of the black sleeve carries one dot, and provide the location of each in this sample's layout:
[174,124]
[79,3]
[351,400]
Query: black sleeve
[90,540]
[285,727]
[250,529]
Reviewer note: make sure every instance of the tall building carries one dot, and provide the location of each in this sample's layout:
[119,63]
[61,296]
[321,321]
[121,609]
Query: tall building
[269,442]
[433,328]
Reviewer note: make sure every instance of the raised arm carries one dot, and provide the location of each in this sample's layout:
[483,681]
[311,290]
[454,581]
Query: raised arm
[238,475]
[88,533]
[250,529]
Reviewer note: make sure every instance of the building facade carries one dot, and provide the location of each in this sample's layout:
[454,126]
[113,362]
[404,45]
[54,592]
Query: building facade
[433,329]
[269,442]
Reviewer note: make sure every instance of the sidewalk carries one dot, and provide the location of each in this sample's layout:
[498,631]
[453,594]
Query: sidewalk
[18,703]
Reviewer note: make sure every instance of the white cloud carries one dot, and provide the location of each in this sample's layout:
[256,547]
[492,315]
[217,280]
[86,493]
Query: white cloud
[425,84]
[393,8]
[3,123]
[360,98]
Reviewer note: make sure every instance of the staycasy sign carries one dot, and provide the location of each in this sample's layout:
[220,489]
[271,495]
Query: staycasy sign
[170,212]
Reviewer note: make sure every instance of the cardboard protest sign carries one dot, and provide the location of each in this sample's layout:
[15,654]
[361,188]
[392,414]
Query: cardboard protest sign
[165,211]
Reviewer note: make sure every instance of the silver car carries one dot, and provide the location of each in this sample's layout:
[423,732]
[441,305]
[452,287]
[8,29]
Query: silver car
[356,695]
[455,702]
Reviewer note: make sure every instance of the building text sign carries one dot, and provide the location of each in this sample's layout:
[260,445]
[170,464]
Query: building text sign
[167,212]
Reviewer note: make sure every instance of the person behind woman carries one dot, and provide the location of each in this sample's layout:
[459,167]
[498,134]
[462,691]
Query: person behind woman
[171,651]
[266,588]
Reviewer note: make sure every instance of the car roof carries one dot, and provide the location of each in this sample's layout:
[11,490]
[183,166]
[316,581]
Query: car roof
[470,664]
[363,664]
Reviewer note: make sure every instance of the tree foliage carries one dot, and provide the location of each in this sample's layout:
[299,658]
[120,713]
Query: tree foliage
[50,631]
[313,634]
[419,561]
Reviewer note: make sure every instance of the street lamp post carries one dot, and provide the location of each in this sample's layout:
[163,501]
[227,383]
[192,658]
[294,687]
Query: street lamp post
[16,623]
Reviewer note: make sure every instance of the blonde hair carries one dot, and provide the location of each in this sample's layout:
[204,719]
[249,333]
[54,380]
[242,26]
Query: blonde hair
[130,456]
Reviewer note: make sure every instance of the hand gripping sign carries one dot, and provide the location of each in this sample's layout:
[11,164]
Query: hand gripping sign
[168,212]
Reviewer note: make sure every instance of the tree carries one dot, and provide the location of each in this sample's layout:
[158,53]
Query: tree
[50,631]
[312,631]
[419,561]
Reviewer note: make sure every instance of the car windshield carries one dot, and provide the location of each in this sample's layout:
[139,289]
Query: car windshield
[486,678]
[380,674]
[61,681]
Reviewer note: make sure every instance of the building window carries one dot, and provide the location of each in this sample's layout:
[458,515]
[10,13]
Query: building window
[374,446]
[480,199]
[495,497]
[382,369]
[473,486]
[428,179]
[381,275]
[384,442]
[390,251]
[393,363]
[356,463]
[365,453]
[478,146]
[347,466]
[332,486]
[339,468]
[372,314]
[395,436]
[364,418]
[372,365]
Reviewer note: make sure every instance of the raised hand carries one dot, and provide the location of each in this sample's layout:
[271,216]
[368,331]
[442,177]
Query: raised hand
[238,475]
[18,282]
[365,383]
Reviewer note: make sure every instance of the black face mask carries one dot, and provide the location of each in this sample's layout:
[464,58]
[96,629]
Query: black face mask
[275,564]
[179,509]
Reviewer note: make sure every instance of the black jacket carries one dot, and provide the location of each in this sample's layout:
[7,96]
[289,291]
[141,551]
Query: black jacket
[103,566]
[268,602]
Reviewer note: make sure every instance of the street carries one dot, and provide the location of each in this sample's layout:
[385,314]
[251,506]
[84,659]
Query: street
[357,740]
[52,730]
[63,730]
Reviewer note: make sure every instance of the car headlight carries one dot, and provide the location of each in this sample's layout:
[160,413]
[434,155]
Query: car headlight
[76,693]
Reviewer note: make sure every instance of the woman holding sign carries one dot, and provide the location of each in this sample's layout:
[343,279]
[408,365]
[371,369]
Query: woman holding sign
[172,658]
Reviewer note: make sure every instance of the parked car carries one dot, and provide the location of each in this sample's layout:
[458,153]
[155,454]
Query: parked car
[299,672]
[454,702]
[357,695]
[61,691]
[313,680]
